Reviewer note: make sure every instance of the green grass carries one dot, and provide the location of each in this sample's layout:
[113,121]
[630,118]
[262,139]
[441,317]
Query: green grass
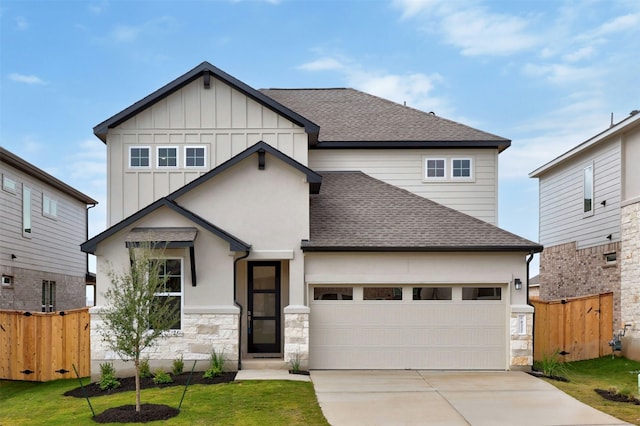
[604,373]
[236,403]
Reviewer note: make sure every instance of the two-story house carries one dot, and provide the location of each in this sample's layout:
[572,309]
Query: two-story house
[325,224]
[589,211]
[42,225]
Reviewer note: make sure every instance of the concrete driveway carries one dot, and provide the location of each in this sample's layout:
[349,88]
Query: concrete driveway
[448,398]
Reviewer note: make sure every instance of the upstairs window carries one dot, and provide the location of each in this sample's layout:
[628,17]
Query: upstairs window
[167,156]
[461,168]
[587,205]
[139,157]
[194,156]
[435,168]
[49,206]
[9,184]
[26,212]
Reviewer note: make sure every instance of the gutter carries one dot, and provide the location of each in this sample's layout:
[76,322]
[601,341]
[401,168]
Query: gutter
[235,301]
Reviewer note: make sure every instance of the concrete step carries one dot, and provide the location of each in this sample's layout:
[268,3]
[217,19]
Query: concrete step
[264,364]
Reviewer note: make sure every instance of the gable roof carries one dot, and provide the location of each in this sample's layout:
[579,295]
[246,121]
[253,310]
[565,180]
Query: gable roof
[313,178]
[349,118]
[235,244]
[24,166]
[204,69]
[355,212]
[622,126]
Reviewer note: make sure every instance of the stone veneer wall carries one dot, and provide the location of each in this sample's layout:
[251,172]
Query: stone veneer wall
[521,344]
[566,271]
[630,266]
[200,334]
[296,338]
[26,292]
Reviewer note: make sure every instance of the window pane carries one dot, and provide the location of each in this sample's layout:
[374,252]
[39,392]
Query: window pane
[382,293]
[139,157]
[481,293]
[432,293]
[264,304]
[26,211]
[264,331]
[588,189]
[264,277]
[435,168]
[333,293]
[167,157]
[461,168]
[194,157]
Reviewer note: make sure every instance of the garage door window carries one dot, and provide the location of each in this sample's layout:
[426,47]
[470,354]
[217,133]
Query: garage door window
[481,293]
[382,293]
[333,293]
[432,293]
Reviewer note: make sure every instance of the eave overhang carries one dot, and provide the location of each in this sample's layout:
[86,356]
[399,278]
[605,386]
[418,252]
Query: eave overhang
[499,145]
[432,249]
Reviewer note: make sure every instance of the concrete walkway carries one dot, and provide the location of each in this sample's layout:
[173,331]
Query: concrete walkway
[448,398]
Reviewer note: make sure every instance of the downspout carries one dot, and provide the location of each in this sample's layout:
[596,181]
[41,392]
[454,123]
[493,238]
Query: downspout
[239,305]
[86,274]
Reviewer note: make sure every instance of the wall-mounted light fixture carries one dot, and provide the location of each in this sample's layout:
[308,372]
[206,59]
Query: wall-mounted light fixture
[517,284]
[13,256]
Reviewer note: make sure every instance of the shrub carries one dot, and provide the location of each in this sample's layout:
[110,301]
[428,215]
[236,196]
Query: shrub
[162,377]
[216,365]
[108,378]
[294,362]
[145,370]
[552,365]
[178,366]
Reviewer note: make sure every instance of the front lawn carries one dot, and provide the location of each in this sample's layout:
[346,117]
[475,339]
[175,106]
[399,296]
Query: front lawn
[604,373]
[235,403]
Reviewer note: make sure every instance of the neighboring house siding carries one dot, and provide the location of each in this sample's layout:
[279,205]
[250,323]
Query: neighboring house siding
[631,157]
[404,168]
[221,119]
[52,252]
[561,200]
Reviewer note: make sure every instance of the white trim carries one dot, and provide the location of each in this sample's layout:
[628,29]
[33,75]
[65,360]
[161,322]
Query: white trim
[471,169]
[204,166]
[27,212]
[173,293]
[271,255]
[590,212]
[425,169]
[158,148]
[47,203]
[139,147]
[11,189]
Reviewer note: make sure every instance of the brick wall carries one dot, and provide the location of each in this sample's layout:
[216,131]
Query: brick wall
[566,271]
[26,292]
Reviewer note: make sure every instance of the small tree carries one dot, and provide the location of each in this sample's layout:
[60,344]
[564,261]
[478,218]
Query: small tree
[134,316]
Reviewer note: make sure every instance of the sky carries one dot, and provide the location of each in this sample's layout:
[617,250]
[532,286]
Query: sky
[545,74]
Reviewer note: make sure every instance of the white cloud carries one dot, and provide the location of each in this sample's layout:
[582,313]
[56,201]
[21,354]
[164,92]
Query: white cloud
[322,64]
[21,23]
[471,27]
[27,79]
[97,7]
[619,24]
[561,74]
[125,33]
[580,54]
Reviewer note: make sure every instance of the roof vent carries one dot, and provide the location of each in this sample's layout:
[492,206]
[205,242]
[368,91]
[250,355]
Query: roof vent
[634,112]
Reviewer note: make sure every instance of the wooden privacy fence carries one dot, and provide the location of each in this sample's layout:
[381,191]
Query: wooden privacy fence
[44,346]
[580,327]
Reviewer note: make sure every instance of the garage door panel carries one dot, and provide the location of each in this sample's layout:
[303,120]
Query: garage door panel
[361,334]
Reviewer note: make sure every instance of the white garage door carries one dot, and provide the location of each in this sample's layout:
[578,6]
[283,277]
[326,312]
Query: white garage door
[416,327]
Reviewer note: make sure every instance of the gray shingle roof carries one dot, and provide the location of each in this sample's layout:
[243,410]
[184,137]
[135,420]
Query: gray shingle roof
[348,115]
[355,212]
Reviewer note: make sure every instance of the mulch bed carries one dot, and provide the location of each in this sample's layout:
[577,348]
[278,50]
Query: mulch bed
[535,373]
[617,397]
[148,412]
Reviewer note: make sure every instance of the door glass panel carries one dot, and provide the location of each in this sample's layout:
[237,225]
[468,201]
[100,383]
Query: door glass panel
[432,293]
[481,293]
[264,278]
[382,293]
[264,331]
[264,304]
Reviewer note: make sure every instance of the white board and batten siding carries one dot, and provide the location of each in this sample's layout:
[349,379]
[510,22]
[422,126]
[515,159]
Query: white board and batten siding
[221,119]
[562,219]
[54,245]
[477,197]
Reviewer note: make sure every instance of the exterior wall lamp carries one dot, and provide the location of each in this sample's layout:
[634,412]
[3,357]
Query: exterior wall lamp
[517,284]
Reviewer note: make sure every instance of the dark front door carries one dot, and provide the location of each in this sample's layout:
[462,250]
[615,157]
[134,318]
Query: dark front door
[263,307]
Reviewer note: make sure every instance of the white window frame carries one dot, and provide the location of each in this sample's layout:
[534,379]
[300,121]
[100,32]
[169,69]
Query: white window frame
[148,148]
[27,219]
[470,160]
[173,293]
[9,185]
[158,157]
[204,148]
[426,168]
[591,170]
[49,207]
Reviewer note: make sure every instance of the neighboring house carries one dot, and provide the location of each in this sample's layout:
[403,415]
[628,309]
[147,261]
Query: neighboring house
[534,287]
[324,224]
[43,223]
[589,211]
